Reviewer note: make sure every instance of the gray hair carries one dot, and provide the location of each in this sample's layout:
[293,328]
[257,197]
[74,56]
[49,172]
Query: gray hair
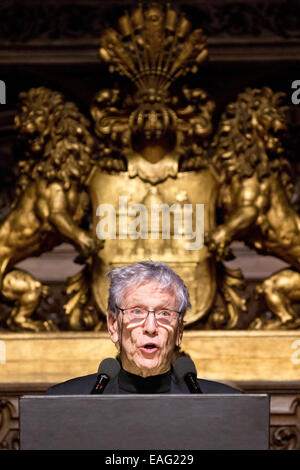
[145,271]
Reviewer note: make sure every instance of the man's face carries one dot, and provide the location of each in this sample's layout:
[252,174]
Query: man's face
[135,357]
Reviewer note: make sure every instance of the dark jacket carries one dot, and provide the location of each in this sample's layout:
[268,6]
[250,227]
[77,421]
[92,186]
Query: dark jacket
[136,384]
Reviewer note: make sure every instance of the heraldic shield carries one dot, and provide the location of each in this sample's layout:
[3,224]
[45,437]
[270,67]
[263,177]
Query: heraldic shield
[138,220]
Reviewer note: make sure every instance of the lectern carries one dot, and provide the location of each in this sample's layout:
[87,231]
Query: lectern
[145,422]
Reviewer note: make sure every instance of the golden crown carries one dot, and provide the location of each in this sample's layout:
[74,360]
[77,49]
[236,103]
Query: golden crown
[153,46]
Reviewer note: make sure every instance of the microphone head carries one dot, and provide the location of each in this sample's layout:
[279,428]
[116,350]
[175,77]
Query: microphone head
[110,367]
[182,366]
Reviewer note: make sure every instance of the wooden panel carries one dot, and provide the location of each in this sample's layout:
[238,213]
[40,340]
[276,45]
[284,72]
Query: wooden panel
[226,356]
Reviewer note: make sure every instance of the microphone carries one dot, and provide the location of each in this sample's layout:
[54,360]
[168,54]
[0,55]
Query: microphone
[185,370]
[108,370]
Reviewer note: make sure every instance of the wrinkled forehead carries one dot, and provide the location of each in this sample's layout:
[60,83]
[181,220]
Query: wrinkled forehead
[150,294]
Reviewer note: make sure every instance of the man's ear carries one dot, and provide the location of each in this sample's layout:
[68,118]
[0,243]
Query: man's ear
[112,326]
[179,333]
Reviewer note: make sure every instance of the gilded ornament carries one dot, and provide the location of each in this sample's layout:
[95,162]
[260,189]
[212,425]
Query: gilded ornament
[152,146]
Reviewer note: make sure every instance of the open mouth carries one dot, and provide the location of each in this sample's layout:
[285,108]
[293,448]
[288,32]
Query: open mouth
[150,347]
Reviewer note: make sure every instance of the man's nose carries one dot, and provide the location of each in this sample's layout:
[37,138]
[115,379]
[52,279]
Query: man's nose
[150,324]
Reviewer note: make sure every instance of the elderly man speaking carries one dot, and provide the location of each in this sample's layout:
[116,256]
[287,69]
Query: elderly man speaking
[146,307]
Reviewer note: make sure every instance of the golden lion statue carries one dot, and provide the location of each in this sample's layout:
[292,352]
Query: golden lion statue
[255,196]
[51,201]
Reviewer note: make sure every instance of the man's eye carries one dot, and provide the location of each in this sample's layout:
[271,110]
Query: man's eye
[137,311]
[164,313]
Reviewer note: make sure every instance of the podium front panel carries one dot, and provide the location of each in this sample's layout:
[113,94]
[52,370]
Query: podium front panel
[145,422]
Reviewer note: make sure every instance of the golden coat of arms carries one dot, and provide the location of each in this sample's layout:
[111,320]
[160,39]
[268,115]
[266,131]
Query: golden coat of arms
[152,171]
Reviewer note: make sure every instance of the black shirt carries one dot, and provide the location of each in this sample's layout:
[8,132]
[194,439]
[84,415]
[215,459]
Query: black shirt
[130,383]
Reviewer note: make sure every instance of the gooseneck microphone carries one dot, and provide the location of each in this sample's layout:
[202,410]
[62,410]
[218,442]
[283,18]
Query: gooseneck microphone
[108,370]
[185,371]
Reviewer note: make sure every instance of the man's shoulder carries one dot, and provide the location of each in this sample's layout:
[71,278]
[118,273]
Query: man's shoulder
[206,387]
[211,386]
[78,386]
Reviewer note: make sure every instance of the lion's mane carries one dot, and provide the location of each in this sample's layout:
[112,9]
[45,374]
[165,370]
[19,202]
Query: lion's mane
[66,145]
[244,129]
